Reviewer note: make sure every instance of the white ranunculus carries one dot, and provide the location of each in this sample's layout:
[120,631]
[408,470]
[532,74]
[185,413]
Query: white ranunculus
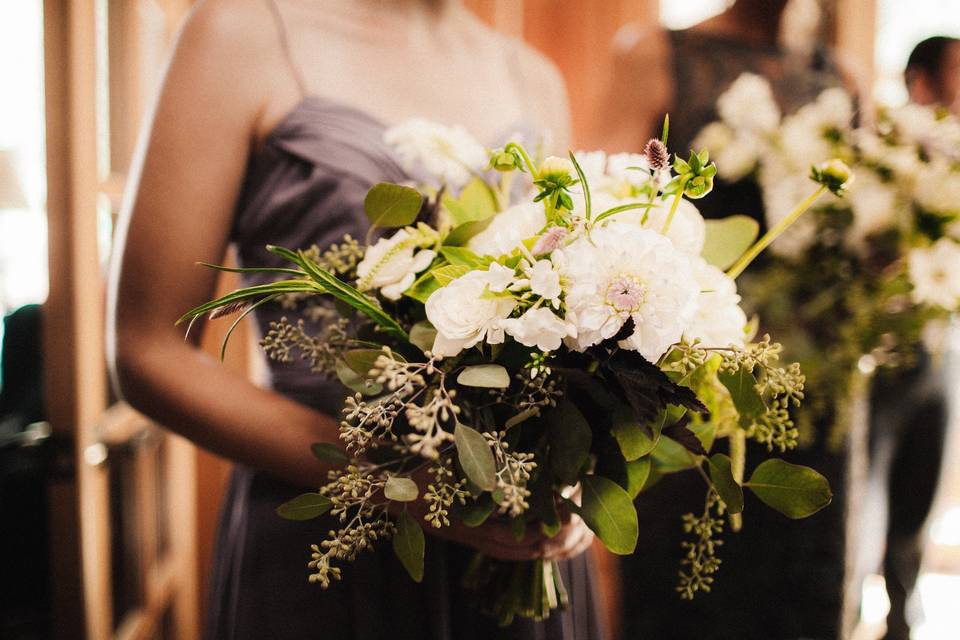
[392,264]
[619,272]
[687,231]
[749,104]
[508,229]
[442,156]
[935,274]
[463,316]
[540,328]
[718,321]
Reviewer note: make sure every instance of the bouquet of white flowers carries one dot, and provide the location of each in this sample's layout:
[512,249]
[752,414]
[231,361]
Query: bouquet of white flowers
[862,276]
[536,338]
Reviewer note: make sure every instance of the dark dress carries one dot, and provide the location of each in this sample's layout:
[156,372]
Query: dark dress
[780,579]
[306,186]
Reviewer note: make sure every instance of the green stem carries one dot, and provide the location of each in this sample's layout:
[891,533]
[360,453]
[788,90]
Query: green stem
[773,234]
[738,462]
[676,203]
[526,159]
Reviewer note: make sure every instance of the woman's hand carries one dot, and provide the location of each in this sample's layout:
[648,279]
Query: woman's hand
[497,540]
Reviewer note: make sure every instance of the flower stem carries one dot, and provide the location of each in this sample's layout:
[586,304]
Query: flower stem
[773,234]
[673,207]
[738,461]
[513,146]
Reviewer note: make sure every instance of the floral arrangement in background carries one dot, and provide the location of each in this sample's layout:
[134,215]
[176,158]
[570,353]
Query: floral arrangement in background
[858,282]
[530,340]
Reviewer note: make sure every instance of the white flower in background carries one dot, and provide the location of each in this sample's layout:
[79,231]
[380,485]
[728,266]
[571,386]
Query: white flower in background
[781,192]
[508,229]
[392,264]
[714,137]
[446,155]
[687,231]
[807,135]
[938,188]
[914,124]
[935,274]
[718,320]
[541,328]
[874,205]
[620,272]
[736,160]
[463,316]
[594,166]
[749,105]
[904,162]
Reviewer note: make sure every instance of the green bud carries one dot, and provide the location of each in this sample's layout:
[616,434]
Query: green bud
[556,169]
[502,160]
[834,174]
[696,174]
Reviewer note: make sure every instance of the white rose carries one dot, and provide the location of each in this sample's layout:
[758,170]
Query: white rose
[935,273]
[463,316]
[718,320]
[539,328]
[392,264]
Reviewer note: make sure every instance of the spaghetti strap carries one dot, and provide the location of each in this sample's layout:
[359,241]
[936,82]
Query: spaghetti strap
[285,44]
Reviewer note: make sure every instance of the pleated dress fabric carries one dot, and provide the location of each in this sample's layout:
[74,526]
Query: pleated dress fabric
[306,186]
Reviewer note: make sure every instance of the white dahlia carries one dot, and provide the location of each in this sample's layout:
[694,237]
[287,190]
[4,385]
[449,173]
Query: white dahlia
[718,321]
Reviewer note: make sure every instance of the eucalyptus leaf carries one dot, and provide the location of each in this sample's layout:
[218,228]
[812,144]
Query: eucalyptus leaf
[363,360]
[408,545]
[422,335]
[728,239]
[609,512]
[638,472]
[487,376]
[306,506]
[793,490]
[635,440]
[392,205]
[462,233]
[475,513]
[400,489]
[742,387]
[721,475]
[329,452]
[569,441]
[476,457]
[356,382]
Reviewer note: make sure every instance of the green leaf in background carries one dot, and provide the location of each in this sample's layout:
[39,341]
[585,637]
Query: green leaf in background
[570,439]
[476,512]
[355,381]
[329,452]
[475,457]
[488,376]
[448,273]
[742,387]
[362,360]
[306,506]
[609,512]
[475,203]
[635,440]
[793,490]
[392,205]
[400,489]
[721,474]
[408,544]
[670,456]
[728,239]
[422,335]
[465,257]
[638,472]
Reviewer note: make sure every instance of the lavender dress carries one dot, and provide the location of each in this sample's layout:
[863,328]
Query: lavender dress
[307,186]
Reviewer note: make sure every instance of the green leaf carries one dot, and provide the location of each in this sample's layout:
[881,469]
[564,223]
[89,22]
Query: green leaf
[638,472]
[635,440]
[588,209]
[392,205]
[670,457]
[362,360]
[306,506]
[475,203]
[330,453]
[728,239]
[423,287]
[742,387]
[609,512]
[488,376]
[448,273]
[462,234]
[422,335]
[476,513]
[793,490]
[569,443]
[721,474]
[408,544]
[475,457]
[355,381]
[257,291]
[400,489]
[465,257]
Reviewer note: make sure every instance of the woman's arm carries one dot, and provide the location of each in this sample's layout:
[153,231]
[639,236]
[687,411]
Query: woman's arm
[179,210]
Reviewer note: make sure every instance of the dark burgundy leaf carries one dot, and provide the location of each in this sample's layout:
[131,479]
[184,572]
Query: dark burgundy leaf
[680,432]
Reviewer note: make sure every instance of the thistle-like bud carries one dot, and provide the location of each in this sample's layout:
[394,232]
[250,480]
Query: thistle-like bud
[656,153]
[228,309]
[834,174]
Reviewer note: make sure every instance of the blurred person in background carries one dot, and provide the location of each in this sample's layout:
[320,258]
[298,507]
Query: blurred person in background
[933,73]
[269,129]
[785,578]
